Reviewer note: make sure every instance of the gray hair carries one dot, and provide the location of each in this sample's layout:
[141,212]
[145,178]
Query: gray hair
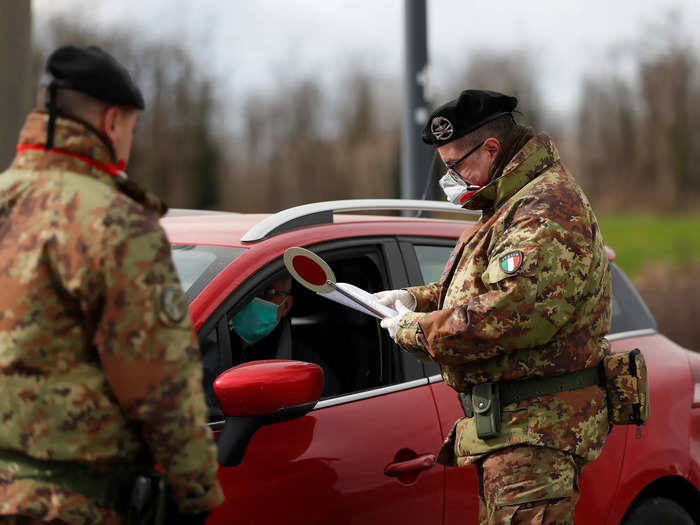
[499,129]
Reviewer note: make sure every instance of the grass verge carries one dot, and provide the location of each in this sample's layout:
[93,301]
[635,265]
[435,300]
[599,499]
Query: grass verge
[641,240]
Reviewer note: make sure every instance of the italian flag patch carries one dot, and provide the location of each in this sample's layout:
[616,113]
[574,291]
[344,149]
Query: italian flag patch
[511,261]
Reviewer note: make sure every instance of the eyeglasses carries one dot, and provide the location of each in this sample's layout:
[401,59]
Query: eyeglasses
[452,168]
[273,293]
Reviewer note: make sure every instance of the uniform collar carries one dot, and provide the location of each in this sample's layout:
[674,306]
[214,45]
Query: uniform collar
[77,149]
[536,156]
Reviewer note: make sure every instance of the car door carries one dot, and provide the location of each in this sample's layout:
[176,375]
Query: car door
[365,453]
[425,259]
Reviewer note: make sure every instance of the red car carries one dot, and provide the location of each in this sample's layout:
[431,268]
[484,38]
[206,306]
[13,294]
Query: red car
[357,443]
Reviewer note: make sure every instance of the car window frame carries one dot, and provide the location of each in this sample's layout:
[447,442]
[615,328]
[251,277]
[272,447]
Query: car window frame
[415,274]
[395,273]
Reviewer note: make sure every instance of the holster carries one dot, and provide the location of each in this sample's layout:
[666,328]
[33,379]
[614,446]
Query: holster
[486,406]
[147,503]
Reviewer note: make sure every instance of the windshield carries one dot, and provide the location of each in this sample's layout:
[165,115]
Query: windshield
[197,264]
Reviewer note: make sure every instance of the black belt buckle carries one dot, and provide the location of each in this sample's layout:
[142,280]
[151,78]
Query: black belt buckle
[466,401]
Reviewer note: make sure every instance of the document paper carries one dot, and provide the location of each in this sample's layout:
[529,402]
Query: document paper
[359,299]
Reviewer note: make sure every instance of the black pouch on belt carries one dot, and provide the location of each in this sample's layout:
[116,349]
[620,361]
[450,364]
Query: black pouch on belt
[627,386]
[486,404]
[148,500]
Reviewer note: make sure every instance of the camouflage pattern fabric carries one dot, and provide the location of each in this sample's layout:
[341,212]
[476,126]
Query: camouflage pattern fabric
[526,293]
[98,360]
[627,388]
[528,485]
[75,510]
[23,520]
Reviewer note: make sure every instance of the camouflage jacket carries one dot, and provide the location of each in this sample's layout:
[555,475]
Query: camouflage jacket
[525,293]
[98,360]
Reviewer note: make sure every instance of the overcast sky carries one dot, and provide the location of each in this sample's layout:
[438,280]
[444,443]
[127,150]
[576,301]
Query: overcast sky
[252,44]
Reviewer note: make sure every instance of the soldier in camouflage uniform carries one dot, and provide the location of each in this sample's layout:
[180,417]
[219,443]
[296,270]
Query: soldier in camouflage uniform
[99,365]
[522,307]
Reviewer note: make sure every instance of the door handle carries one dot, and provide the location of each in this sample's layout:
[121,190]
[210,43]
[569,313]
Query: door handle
[412,465]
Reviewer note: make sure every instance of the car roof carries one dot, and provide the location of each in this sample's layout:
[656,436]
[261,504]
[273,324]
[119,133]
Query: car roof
[194,227]
[220,228]
[227,229]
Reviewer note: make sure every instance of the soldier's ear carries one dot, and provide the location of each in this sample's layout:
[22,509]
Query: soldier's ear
[110,123]
[492,145]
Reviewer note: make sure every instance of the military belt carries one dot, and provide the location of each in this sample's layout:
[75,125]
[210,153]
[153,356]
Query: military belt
[106,488]
[516,391]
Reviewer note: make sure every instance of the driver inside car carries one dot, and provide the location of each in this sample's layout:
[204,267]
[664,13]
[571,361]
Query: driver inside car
[251,330]
[264,329]
[261,317]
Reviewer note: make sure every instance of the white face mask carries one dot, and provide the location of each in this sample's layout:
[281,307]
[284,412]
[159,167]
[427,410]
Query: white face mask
[455,188]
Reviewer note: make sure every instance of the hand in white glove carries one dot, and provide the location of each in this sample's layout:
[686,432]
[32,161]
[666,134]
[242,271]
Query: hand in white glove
[390,297]
[392,323]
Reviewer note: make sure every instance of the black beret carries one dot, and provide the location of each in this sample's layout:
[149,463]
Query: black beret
[470,111]
[93,72]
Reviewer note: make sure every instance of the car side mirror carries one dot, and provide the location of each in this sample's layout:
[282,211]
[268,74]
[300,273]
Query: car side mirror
[260,393]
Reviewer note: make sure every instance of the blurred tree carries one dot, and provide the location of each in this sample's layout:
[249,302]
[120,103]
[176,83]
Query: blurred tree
[175,152]
[206,159]
[16,89]
[358,111]
[512,73]
[607,137]
[639,145]
[295,156]
[667,86]
[303,113]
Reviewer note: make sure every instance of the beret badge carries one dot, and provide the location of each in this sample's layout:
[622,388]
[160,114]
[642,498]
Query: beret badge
[441,128]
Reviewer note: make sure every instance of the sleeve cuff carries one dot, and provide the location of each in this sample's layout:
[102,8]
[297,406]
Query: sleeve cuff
[424,296]
[409,335]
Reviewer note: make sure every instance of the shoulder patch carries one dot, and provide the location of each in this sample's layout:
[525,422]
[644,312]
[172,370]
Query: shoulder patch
[510,262]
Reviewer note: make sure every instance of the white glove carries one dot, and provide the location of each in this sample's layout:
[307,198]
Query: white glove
[390,297]
[392,323]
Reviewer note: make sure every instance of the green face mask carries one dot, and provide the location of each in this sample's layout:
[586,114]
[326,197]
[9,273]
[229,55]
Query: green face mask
[257,319]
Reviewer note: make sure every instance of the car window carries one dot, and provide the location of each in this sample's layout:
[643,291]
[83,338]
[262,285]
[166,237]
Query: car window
[431,263]
[354,352]
[628,309]
[196,265]
[432,260]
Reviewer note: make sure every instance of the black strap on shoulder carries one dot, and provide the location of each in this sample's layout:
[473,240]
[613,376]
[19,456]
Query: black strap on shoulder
[51,91]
